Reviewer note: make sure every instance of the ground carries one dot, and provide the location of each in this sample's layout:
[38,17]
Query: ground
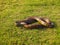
[12,10]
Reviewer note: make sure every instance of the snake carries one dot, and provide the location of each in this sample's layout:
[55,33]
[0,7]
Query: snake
[28,23]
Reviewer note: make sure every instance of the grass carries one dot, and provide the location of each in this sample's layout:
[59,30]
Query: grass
[12,10]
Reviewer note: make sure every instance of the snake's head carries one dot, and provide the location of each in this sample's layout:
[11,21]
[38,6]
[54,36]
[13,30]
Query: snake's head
[51,25]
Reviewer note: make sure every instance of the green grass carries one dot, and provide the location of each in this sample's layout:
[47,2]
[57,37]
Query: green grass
[12,10]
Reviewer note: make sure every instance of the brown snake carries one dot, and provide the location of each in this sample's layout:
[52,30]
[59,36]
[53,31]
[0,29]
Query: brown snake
[28,23]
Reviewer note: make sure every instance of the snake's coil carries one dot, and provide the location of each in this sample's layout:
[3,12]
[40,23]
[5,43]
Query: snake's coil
[42,22]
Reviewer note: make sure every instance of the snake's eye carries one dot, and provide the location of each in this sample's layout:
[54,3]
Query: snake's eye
[51,25]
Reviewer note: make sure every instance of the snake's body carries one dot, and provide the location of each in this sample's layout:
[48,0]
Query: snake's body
[27,23]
